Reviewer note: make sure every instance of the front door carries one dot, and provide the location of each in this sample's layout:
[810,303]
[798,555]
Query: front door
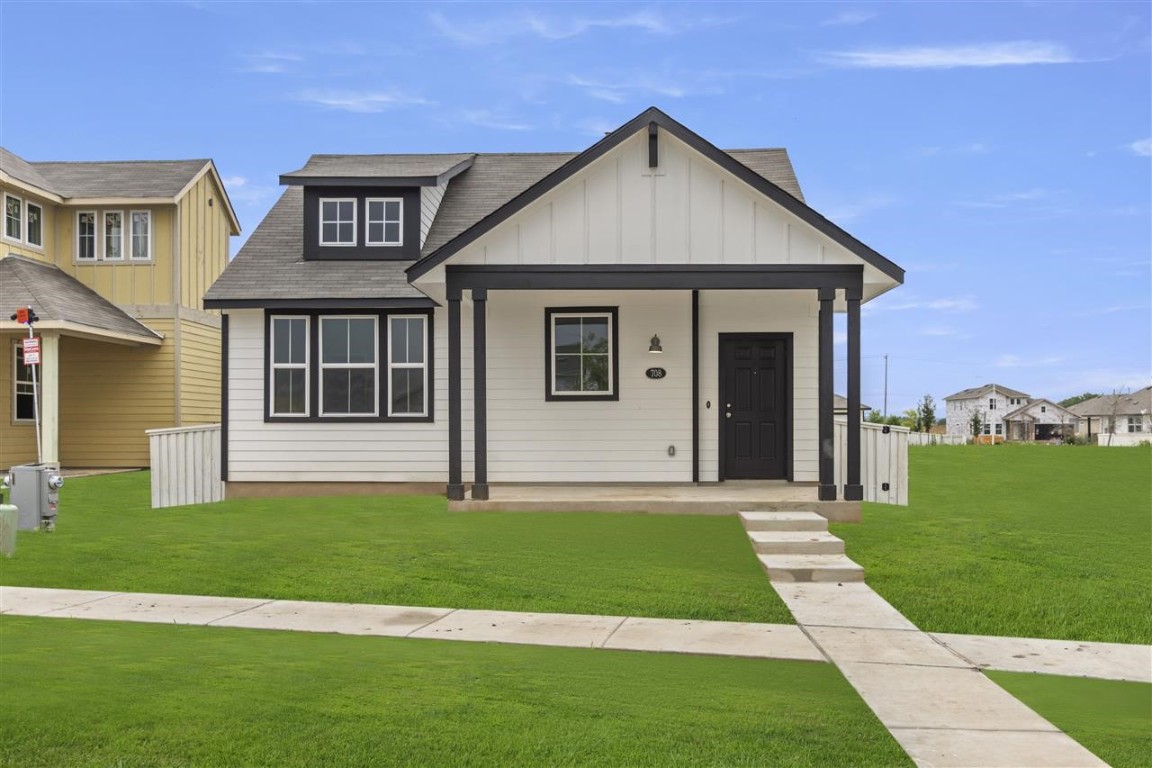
[754,427]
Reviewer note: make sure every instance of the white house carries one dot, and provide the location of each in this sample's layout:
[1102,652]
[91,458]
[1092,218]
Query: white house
[1040,420]
[652,309]
[991,401]
[1120,419]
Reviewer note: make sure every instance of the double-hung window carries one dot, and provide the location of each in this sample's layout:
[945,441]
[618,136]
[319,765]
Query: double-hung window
[86,236]
[289,366]
[35,219]
[581,354]
[1135,423]
[384,221]
[408,365]
[113,235]
[13,217]
[337,221]
[348,372]
[23,388]
[141,235]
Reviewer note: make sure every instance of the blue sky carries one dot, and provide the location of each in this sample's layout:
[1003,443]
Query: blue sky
[1000,152]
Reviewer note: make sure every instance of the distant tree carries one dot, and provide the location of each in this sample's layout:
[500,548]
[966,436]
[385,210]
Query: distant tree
[1068,402]
[874,417]
[925,414]
[976,424]
[909,419]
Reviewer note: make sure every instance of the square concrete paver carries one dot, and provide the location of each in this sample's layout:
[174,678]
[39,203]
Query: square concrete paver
[840,605]
[994,749]
[34,601]
[718,638]
[164,609]
[1110,661]
[560,629]
[939,697]
[339,618]
[884,646]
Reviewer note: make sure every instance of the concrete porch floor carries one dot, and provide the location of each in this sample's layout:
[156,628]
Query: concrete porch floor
[725,498]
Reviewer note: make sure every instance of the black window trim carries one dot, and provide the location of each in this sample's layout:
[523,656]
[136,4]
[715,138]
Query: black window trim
[383,389]
[612,312]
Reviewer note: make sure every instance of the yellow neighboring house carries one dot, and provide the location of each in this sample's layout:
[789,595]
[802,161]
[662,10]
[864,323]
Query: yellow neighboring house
[114,257]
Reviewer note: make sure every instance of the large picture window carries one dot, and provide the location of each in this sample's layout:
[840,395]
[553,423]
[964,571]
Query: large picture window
[338,221]
[581,354]
[351,366]
[23,388]
[289,358]
[384,221]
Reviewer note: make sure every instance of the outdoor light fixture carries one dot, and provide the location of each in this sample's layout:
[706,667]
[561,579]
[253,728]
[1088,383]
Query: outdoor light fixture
[654,345]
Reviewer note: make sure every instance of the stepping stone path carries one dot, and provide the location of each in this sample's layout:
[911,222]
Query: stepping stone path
[796,547]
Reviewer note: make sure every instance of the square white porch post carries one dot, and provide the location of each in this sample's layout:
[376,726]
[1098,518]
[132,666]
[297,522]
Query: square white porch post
[50,397]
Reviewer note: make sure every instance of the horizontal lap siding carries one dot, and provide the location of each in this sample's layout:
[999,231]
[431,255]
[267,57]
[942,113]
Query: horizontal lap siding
[110,394]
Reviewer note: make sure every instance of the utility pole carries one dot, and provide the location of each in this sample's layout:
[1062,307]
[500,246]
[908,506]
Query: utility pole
[885,386]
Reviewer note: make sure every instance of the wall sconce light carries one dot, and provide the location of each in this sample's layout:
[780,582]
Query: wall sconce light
[654,346]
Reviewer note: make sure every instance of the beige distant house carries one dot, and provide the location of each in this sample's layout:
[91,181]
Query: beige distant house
[1121,419]
[114,258]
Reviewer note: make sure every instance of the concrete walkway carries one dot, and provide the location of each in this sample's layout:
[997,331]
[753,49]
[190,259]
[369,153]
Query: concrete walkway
[927,689]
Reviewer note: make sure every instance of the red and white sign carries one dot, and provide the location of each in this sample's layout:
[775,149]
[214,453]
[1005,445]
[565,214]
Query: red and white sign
[31,351]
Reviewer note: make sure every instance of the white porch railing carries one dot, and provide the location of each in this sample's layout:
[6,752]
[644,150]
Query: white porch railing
[883,461]
[925,438]
[185,465]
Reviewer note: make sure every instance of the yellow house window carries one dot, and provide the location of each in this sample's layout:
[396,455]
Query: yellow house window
[113,235]
[35,225]
[23,390]
[13,217]
[86,236]
[141,222]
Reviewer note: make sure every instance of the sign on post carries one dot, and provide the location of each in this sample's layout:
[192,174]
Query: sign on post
[31,347]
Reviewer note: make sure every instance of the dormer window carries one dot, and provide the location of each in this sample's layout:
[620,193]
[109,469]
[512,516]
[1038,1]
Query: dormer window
[338,221]
[385,216]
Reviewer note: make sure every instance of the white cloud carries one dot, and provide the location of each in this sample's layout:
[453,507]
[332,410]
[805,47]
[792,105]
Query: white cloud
[949,304]
[849,18]
[1014,361]
[1013,53]
[269,63]
[942,332]
[597,127]
[363,102]
[1114,308]
[240,191]
[839,337]
[1107,380]
[486,118]
[552,28]
[621,90]
[1034,195]
[1142,147]
[859,209]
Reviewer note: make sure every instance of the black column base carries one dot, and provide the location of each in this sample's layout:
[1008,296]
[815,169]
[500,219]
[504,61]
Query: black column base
[827,493]
[455,491]
[479,491]
[853,493]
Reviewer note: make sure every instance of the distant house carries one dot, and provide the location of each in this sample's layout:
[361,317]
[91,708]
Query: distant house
[1117,419]
[840,406]
[991,401]
[1040,420]
[114,258]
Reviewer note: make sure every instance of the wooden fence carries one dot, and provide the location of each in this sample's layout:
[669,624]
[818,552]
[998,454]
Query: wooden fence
[185,465]
[883,461]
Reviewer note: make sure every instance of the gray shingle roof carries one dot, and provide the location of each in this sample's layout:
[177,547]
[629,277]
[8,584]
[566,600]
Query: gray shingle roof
[1124,405]
[378,166]
[840,403]
[965,394]
[145,178]
[57,296]
[20,169]
[271,266]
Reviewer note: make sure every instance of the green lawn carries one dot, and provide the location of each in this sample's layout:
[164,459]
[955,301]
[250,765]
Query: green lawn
[99,693]
[1017,540]
[397,550]
[1111,718]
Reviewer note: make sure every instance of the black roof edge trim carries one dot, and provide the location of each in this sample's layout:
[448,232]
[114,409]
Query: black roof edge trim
[617,137]
[292,180]
[319,303]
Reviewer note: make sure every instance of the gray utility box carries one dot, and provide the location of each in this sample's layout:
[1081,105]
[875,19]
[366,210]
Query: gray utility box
[34,491]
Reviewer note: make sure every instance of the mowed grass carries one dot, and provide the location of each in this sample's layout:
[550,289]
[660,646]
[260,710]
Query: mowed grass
[88,693]
[1017,540]
[398,551]
[1113,719]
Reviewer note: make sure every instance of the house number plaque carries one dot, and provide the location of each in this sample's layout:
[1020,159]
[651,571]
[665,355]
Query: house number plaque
[655,373]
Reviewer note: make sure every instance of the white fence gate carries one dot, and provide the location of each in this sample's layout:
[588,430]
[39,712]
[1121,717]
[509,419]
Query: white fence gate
[883,461]
[185,465]
[925,438]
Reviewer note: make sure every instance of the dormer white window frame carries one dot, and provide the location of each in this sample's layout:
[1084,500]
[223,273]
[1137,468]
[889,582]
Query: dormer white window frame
[384,221]
[338,221]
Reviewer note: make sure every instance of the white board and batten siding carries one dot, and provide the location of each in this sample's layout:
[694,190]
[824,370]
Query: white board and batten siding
[186,467]
[883,459]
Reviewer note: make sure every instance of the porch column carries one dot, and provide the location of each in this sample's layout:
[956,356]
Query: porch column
[827,455]
[480,392]
[853,490]
[455,480]
[50,397]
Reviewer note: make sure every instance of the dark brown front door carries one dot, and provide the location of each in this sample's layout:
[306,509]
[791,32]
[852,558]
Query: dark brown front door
[754,429]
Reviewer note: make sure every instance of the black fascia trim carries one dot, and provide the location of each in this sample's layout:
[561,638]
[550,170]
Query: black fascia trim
[224,397]
[650,116]
[789,395]
[655,277]
[313,371]
[310,304]
[615,362]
